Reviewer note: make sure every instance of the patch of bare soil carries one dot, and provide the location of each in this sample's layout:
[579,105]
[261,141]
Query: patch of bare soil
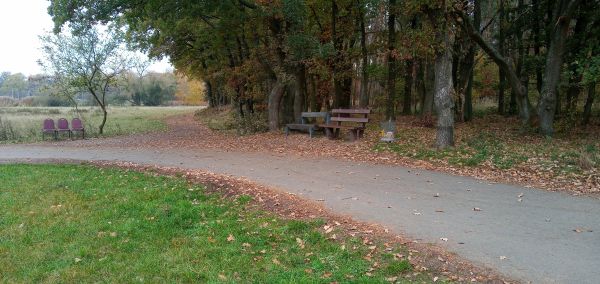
[187,133]
[426,258]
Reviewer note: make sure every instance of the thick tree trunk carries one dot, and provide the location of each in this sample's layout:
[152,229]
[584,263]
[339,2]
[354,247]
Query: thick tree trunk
[299,92]
[390,113]
[274,104]
[363,97]
[443,93]
[587,109]
[501,84]
[468,106]
[312,100]
[408,82]
[429,92]
[342,82]
[573,93]
[554,60]
[537,42]
[501,45]
[209,94]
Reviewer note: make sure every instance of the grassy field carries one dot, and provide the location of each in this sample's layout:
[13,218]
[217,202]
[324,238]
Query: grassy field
[24,124]
[69,223]
[500,143]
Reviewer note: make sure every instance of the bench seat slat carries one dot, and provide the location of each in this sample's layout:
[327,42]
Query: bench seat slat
[340,126]
[351,111]
[299,126]
[314,114]
[351,119]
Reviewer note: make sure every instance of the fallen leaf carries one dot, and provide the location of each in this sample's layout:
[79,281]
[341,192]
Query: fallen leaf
[327,274]
[222,277]
[276,261]
[300,243]
[77,260]
[230,238]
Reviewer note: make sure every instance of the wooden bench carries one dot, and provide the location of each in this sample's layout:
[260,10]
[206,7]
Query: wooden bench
[353,120]
[304,124]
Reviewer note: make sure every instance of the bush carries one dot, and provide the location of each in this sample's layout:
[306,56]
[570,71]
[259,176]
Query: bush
[27,101]
[50,101]
[251,123]
[7,132]
[7,101]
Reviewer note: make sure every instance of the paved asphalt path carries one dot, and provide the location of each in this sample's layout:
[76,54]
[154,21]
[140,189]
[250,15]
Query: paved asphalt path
[528,240]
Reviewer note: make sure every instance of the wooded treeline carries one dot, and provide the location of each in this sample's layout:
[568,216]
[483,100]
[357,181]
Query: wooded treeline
[399,57]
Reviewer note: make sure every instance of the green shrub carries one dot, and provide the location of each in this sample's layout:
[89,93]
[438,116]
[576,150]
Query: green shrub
[251,123]
[49,101]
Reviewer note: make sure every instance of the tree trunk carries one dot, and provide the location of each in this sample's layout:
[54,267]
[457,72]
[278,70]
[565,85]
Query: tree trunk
[390,113]
[537,42]
[312,100]
[299,92]
[554,60]
[500,60]
[443,92]
[468,107]
[587,109]
[274,104]
[501,45]
[429,92]
[408,82]
[104,116]
[209,94]
[363,98]
[501,84]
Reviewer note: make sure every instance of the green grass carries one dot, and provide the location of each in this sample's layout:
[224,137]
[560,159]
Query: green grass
[498,143]
[24,124]
[68,223]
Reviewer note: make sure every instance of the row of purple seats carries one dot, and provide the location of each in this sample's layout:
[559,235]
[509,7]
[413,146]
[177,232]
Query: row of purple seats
[63,127]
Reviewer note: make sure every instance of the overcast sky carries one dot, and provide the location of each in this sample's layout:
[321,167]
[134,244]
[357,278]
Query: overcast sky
[21,22]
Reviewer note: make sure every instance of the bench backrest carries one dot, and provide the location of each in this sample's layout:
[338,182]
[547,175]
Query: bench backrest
[49,124]
[63,124]
[306,115]
[76,124]
[350,115]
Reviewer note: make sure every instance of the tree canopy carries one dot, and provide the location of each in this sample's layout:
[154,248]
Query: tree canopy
[294,55]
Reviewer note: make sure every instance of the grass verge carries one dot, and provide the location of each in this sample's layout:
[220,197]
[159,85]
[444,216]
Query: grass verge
[24,124]
[67,223]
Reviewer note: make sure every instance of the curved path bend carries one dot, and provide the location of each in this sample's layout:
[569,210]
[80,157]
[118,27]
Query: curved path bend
[525,234]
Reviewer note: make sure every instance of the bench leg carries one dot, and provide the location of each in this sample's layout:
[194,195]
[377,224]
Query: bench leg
[310,132]
[336,133]
[287,131]
[329,133]
[353,135]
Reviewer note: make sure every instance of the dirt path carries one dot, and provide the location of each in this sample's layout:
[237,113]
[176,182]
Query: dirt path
[526,234]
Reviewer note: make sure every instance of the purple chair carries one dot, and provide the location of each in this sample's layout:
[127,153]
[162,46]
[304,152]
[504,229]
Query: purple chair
[49,128]
[77,126]
[63,126]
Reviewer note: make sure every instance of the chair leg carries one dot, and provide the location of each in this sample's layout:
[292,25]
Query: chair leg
[328,133]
